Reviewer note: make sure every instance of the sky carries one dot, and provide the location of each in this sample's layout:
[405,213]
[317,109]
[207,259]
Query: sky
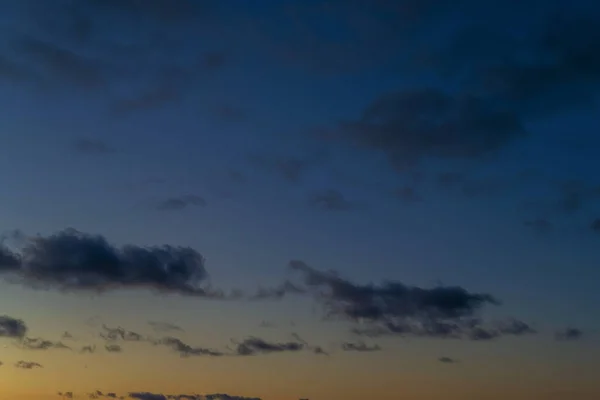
[299,199]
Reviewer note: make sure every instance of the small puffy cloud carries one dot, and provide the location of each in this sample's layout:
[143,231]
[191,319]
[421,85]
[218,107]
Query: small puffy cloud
[330,200]
[569,334]
[12,327]
[360,347]
[41,344]
[113,348]
[27,365]
[88,349]
[447,360]
[253,346]
[185,350]
[181,202]
[119,333]
[160,326]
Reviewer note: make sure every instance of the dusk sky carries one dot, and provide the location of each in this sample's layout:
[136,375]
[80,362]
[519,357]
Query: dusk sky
[299,199]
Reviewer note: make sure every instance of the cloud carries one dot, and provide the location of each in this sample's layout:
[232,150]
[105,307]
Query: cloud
[74,261]
[290,168]
[416,125]
[89,349]
[595,225]
[252,346]
[569,334]
[66,395]
[575,195]
[118,333]
[360,347]
[331,200]
[447,360]
[186,350]
[12,327]
[394,308]
[179,203]
[92,146]
[27,365]
[159,326]
[41,344]
[113,348]
[160,396]
[539,225]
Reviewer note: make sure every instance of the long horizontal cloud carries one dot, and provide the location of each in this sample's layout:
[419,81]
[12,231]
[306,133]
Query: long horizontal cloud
[185,350]
[71,260]
[396,308]
[41,344]
[27,364]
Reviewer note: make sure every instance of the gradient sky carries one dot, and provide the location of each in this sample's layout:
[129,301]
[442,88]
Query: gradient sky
[363,199]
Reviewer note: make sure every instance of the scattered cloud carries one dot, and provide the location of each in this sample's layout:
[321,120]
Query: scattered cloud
[180,203]
[113,348]
[360,347]
[92,146]
[118,333]
[41,344]
[398,309]
[539,225]
[12,327]
[331,200]
[160,396]
[447,360]
[253,346]
[88,349]
[186,350]
[569,334]
[74,261]
[27,365]
[160,326]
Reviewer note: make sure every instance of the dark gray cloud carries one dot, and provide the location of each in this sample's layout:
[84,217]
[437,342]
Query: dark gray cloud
[213,396]
[87,349]
[92,146]
[41,344]
[113,348]
[161,326]
[595,225]
[12,327]
[119,333]
[412,126]
[252,346]
[569,334]
[447,360]
[185,350]
[74,261]
[360,347]
[398,309]
[180,203]
[331,200]
[27,364]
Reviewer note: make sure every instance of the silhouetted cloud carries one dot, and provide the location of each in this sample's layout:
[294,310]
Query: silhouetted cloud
[89,349]
[447,360]
[186,350]
[119,333]
[27,364]
[160,326]
[41,344]
[214,396]
[359,346]
[71,260]
[113,348]
[395,308]
[12,327]
[179,203]
[330,200]
[92,146]
[66,395]
[569,334]
[253,345]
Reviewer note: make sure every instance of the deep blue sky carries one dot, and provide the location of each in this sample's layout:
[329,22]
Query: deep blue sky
[433,143]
